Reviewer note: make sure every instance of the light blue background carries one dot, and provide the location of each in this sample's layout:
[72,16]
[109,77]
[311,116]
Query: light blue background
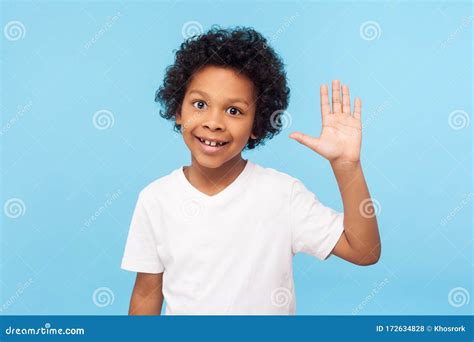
[418,167]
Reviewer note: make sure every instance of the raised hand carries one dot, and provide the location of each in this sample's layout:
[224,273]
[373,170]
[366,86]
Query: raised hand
[341,134]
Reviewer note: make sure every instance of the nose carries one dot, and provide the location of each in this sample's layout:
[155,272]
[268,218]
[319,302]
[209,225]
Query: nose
[214,121]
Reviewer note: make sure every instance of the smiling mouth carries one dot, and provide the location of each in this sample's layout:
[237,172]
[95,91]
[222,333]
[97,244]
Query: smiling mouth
[212,143]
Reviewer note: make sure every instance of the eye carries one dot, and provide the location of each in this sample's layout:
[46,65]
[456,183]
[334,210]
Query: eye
[233,111]
[199,105]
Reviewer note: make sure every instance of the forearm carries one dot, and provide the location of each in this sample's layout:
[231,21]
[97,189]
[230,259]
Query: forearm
[145,305]
[147,295]
[360,222]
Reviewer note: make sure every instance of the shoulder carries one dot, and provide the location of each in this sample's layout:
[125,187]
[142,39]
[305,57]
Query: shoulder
[160,187]
[276,182]
[271,177]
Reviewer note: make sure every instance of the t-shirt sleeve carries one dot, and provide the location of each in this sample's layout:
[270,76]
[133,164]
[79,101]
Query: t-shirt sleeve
[315,227]
[141,254]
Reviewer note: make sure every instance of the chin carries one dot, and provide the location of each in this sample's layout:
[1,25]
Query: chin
[213,162]
[209,161]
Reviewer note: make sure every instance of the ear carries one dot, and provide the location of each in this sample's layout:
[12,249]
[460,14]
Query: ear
[253,136]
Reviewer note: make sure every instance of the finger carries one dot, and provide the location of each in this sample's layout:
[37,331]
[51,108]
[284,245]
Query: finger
[325,108]
[346,100]
[306,140]
[357,108]
[336,97]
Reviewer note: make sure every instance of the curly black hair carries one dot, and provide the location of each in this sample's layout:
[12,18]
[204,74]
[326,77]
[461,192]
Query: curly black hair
[244,50]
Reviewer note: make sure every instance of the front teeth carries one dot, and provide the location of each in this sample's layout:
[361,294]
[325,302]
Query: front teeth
[211,143]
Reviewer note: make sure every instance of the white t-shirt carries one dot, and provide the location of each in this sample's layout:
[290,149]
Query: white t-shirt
[230,253]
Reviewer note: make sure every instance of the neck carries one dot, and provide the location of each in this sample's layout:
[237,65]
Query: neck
[214,180]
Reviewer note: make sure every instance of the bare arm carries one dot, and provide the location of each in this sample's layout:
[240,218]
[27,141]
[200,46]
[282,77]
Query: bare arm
[147,296]
[360,241]
[340,143]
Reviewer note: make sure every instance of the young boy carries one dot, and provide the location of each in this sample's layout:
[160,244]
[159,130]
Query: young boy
[218,236]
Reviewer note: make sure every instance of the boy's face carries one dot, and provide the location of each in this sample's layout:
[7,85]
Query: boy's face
[217,115]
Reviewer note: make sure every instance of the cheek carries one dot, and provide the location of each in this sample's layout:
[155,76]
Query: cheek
[189,120]
[246,128]
[242,132]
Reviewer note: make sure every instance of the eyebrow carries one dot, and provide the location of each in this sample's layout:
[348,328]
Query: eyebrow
[202,93]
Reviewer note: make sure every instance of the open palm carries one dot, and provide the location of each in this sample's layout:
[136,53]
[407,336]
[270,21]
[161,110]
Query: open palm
[341,134]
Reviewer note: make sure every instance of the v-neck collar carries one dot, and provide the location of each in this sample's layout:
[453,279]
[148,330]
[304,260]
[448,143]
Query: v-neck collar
[231,188]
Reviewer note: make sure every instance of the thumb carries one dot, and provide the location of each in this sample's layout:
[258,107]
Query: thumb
[307,140]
